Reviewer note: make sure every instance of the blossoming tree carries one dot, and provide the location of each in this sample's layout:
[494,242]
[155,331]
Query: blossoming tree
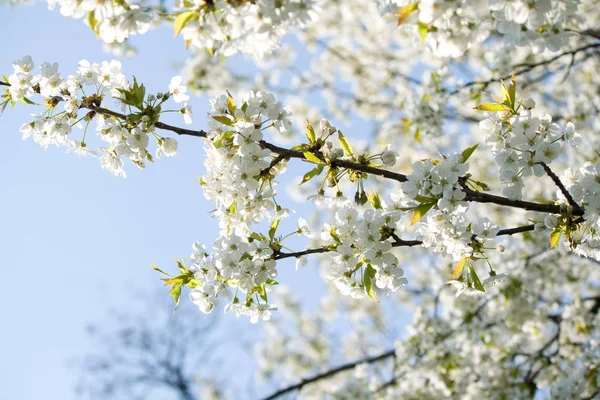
[476,201]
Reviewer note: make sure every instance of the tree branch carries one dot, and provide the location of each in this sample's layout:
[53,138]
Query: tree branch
[329,373]
[559,184]
[398,242]
[471,195]
[527,67]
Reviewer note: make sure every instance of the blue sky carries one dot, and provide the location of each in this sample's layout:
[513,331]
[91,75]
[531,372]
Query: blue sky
[76,240]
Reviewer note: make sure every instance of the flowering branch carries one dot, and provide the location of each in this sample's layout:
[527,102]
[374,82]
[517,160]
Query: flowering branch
[471,195]
[398,242]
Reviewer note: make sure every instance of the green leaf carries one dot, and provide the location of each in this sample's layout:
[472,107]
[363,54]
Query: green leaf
[458,268]
[334,235]
[232,209]
[261,291]
[273,228]
[271,282]
[310,133]
[467,152]
[504,93]
[555,237]
[492,107]
[182,20]
[420,210]
[406,11]
[176,293]
[423,30]
[3,106]
[231,103]
[512,91]
[223,119]
[181,268]
[345,145]
[154,267]
[475,278]
[311,157]
[92,21]
[139,94]
[418,135]
[312,173]
[369,276]
[300,147]
[375,201]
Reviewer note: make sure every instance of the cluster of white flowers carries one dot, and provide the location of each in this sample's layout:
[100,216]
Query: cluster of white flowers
[235,159]
[235,163]
[437,181]
[521,142]
[452,27]
[85,88]
[541,23]
[362,260]
[252,27]
[446,233]
[112,21]
[247,265]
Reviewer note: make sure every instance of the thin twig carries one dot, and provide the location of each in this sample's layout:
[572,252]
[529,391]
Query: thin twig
[527,67]
[329,373]
[559,184]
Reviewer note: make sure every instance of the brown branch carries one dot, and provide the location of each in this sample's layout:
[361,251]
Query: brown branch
[527,67]
[398,242]
[159,125]
[272,165]
[480,197]
[280,256]
[329,373]
[471,195]
[559,184]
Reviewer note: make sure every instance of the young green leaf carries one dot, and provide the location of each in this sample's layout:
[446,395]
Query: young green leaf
[423,30]
[261,291]
[312,173]
[273,228]
[369,276]
[458,268]
[310,133]
[182,19]
[555,237]
[467,152]
[176,293]
[311,157]
[223,119]
[345,145]
[476,281]
[92,21]
[154,267]
[230,103]
[232,209]
[495,107]
[512,91]
[375,201]
[406,11]
[420,210]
